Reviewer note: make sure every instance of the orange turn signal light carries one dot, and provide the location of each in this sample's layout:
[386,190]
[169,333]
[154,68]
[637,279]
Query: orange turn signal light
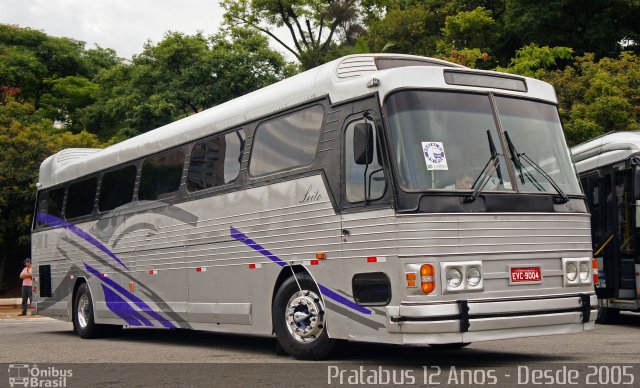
[594,265]
[427,278]
[321,255]
[411,278]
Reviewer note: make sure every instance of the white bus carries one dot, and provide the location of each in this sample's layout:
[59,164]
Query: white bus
[609,168]
[381,198]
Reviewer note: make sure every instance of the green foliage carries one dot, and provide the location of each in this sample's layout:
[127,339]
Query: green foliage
[596,26]
[597,97]
[180,76]
[467,57]
[532,60]
[55,75]
[26,139]
[410,30]
[594,97]
[318,28]
[472,29]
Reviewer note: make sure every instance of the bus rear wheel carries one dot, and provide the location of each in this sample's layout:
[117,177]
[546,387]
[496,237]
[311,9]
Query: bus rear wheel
[83,321]
[299,320]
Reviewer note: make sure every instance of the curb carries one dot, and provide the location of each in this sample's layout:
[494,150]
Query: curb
[10,302]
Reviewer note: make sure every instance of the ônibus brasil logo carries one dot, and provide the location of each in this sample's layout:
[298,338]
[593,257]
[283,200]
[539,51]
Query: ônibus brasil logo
[25,375]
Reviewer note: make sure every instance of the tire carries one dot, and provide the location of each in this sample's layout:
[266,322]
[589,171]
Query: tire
[299,320]
[607,315]
[83,321]
[457,345]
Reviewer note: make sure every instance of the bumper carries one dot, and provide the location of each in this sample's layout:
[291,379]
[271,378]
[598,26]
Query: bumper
[481,320]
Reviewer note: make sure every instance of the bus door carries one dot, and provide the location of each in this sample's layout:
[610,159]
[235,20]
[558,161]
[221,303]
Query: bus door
[367,215]
[614,218]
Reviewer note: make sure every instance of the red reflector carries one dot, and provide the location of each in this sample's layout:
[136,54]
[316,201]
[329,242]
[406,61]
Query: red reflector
[372,259]
[252,266]
[314,262]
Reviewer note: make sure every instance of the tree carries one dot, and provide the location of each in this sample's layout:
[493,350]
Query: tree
[179,76]
[411,30]
[597,26]
[598,96]
[50,73]
[594,96]
[534,61]
[26,139]
[317,27]
[469,29]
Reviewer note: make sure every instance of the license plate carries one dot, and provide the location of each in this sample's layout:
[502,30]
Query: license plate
[526,275]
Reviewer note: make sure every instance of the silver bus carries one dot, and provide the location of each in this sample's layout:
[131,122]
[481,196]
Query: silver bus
[380,198]
[609,168]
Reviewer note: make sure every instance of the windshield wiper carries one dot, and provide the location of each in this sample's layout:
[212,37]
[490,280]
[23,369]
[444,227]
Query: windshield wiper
[485,175]
[515,157]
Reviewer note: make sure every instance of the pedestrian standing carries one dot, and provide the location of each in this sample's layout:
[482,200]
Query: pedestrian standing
[27,283]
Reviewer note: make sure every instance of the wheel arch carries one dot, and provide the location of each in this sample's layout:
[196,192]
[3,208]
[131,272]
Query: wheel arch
[285,273]
[79,281]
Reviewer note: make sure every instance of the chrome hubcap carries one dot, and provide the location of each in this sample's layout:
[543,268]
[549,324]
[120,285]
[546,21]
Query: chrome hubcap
[305,316]
[83,310]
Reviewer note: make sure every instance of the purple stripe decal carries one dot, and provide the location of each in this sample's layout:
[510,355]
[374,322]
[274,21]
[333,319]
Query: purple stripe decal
[56,222]
[122,309]
[341,299]
[236,234]
[137,301]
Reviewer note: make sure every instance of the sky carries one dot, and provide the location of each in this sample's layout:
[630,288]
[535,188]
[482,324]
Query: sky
[123,25]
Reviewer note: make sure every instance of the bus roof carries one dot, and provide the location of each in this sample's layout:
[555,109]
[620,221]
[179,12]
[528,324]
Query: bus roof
[604,150]
[342,79]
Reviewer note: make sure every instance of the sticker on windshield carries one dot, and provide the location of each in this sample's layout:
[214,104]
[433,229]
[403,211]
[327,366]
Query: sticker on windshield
[434,155]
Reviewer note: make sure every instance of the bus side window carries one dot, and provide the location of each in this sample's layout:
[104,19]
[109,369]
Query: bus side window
[161,175]
[50,202]
[215,162]
[355,173]
[81,198]
[54,202]
[117,188]
[287,141]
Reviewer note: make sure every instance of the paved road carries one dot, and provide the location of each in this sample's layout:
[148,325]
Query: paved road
[44,340]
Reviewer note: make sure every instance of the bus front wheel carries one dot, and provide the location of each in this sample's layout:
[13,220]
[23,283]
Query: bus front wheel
[83,322]
[299,320]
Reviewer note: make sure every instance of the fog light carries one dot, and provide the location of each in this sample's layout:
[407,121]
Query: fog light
[572,272]
[473,276]
[454,278]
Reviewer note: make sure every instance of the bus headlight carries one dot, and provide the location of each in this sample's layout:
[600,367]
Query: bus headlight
[473,276]
[572,272]
[454,278]
[577,272]
[464,276]
[584,272]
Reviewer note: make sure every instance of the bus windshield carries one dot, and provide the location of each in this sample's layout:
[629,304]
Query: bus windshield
[444,140]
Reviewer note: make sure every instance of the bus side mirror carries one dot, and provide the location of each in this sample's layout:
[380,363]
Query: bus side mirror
[636,183]
[363,143]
